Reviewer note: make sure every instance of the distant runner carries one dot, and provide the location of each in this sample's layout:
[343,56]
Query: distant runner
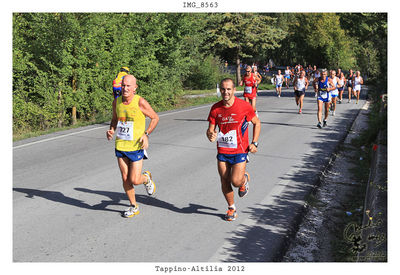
[335,92]
[316,75]
[358,81]
[278,81]
[287,76]
[128,122]
[300,86]
[341,84]
[350,84]
[325,86]
[232,116]
[117,81]
[250,82]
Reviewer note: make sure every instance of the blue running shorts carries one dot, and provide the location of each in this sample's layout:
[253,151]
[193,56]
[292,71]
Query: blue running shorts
[325,99]
[232,158]
[132,155]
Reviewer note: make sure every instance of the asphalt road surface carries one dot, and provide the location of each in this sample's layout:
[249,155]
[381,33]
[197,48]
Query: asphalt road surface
[68,195]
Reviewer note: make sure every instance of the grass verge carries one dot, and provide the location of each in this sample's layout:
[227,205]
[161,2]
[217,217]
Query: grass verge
[345,249]
[181,102]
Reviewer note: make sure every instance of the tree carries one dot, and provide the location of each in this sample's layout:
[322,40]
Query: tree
[369,33]
[242,34]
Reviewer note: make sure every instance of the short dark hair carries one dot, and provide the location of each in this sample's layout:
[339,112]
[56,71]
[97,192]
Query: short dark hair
[226,80]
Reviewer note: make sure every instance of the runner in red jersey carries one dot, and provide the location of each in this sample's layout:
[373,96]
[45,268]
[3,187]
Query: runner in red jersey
[232,115]
[250,81]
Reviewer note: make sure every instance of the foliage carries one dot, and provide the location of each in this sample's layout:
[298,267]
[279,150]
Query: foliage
[64,62]
[241,35]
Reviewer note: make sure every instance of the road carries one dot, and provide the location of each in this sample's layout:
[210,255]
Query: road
[68,195]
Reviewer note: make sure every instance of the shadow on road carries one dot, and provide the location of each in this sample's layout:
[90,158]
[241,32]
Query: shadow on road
[115,198]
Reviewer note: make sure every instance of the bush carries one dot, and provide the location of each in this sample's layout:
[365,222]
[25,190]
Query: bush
[204,75]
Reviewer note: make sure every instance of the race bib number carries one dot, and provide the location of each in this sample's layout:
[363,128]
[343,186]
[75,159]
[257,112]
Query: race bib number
[324,95]
[229,140]
[125,130]
[247,89]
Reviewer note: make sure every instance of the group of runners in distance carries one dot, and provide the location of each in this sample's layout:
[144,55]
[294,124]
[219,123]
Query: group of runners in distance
[328,88]
[228,119]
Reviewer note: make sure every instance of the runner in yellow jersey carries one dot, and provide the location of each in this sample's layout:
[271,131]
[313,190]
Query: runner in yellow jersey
[118,80]
[128,123]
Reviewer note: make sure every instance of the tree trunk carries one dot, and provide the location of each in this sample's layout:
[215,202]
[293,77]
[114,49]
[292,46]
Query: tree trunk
[238,77]
[60,112]
[73,116]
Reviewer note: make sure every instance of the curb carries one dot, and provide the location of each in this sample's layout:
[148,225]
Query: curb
[298,219]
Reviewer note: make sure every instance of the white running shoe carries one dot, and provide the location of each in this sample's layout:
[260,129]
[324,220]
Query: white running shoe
[131,211]
[150,185]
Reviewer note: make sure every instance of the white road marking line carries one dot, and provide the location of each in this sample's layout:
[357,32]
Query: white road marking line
[87,130]
[57,137]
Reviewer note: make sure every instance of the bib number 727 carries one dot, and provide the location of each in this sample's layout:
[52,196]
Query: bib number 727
[125,130]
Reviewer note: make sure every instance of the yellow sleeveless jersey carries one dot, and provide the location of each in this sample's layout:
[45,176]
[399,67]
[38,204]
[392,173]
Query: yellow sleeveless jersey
[131,125]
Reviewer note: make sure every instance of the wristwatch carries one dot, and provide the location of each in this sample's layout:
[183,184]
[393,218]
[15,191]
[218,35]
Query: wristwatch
[255,143]
[146,133]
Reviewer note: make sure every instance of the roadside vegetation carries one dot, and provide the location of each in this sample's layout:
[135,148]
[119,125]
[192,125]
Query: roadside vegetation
[64,63]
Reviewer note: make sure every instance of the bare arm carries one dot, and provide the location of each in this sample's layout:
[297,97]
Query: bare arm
[148,111]
[114,121]
[211,132]
[256,133]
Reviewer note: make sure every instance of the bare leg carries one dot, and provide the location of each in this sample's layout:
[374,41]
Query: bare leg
[231,175]
[301,102]
[131,173]
[319,113]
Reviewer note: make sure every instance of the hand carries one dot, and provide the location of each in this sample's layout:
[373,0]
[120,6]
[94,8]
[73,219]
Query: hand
[252,148]
[110,134]
[212,135]
[145,141]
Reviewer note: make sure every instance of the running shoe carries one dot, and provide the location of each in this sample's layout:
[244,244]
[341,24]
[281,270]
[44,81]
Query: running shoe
[279,95]
[300,111]
[150,185]
[231,214]
[131,211]
[325,123]
[333,113]
[244,189]
[319,125]
[340,101]
[349,101]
